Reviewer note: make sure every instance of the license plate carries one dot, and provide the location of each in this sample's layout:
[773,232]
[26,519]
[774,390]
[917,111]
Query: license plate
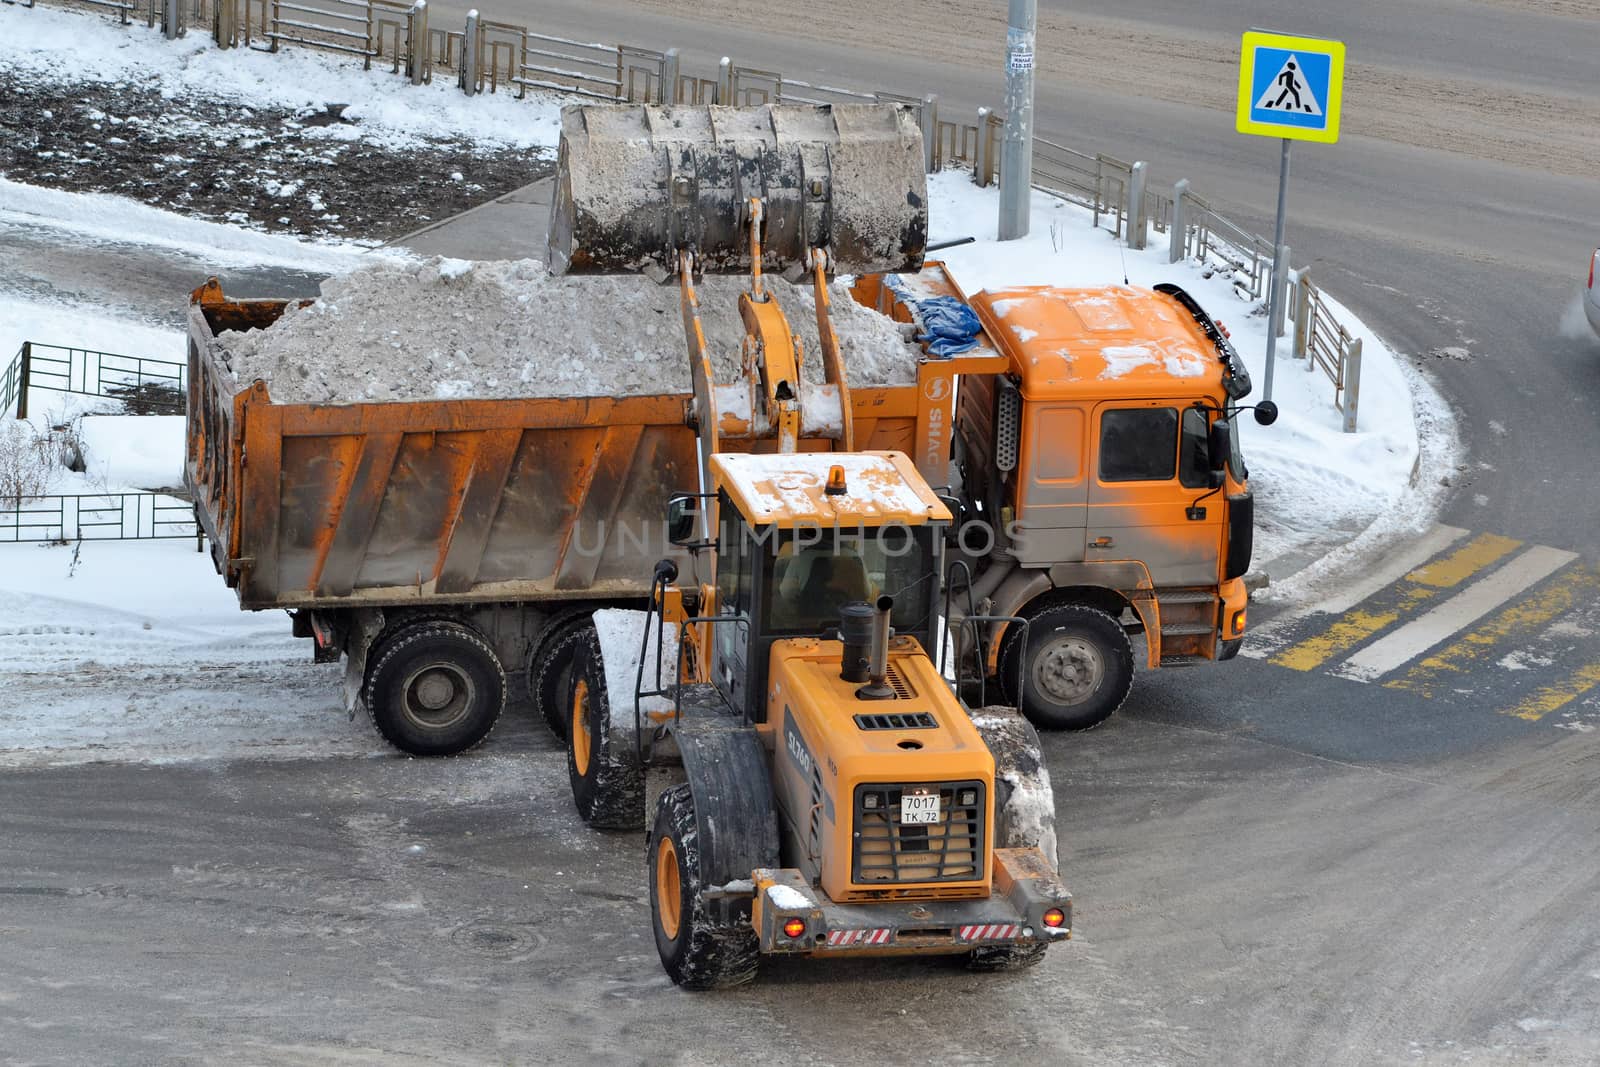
[919,808]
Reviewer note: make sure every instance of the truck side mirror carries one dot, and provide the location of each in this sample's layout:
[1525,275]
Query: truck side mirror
[682,511]
[1219,447]
[1266,413]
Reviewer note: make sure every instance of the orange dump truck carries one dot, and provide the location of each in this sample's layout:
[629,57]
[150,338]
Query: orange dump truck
[442,545]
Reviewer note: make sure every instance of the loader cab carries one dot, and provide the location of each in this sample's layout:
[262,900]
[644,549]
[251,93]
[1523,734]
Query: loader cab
[791,554]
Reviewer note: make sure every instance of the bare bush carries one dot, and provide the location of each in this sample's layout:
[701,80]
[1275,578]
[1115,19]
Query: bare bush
[26,463]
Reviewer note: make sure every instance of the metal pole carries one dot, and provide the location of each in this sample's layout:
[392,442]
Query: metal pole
[725,81]
[1278,267]
[171,19]
[1178,231]
[982,165]
[1137,224]
[1016,155]
[1283,282]
[930,133]
[417,43]
[23,373]
[469,55]
[671,65]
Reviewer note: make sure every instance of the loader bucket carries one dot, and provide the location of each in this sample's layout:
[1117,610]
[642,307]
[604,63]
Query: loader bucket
[635,183]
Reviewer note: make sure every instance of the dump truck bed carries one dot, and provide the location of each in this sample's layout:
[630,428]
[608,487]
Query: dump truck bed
[387,503]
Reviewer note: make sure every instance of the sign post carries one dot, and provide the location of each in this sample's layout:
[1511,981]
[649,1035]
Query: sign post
[1291,88]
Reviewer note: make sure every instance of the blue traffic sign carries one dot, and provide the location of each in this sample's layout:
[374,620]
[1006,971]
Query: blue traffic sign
[1290,87]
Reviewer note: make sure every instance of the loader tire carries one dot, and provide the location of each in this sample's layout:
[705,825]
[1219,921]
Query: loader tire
[697,953]
[437,689]
[1076,670]
[602,755]
[1005,958]
[549,670]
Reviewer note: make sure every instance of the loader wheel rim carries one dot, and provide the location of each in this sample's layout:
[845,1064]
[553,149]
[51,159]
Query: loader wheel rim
[1069,670]
[669,891]
[582,743]
[438,695]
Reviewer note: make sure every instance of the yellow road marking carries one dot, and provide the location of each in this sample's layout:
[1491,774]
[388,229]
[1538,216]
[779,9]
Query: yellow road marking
[1523,617]
[1552,697]
[1418,587]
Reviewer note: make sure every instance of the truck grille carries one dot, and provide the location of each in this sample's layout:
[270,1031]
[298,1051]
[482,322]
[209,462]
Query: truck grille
[886,851]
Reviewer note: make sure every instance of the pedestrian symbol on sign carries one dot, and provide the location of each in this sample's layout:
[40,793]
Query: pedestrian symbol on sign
[1289,91]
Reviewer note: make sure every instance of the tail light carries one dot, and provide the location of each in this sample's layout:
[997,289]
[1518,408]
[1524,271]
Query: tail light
[1591,266]
[1054,918]
[793,928]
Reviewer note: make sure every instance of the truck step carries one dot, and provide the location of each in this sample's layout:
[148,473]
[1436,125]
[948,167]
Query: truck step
[1186,597]
[1184,661]
[1187,629]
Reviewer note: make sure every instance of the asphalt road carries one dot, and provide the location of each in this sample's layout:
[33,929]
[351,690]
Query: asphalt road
[1271,865]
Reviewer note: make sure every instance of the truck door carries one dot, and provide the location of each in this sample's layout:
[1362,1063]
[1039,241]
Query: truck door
[1149,496]
[1055,484]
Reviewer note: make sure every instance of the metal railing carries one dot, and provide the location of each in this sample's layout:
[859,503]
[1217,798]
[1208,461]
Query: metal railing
[97,517]
[157,384]
[1322,341]
[1208,236]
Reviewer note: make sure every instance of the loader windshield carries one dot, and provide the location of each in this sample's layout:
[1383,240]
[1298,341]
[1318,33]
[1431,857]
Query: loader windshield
[813,575]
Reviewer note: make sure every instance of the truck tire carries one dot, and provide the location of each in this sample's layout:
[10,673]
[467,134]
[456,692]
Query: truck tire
[437,689]
[550,668]
[1076,670]
[602,755]
[697,953]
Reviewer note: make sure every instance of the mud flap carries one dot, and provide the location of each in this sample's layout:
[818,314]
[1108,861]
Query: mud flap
[726,766]
[365,626]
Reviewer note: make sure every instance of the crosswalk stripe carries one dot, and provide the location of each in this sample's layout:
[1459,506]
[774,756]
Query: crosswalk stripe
[1519,619]
[1267,639]
[1554,697]
[1455,614]
[1418,587]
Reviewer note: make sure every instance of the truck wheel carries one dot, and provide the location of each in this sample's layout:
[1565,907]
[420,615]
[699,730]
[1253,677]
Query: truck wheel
[696,953]
[550,668]
[436,690]
[602,757]
[1076,670]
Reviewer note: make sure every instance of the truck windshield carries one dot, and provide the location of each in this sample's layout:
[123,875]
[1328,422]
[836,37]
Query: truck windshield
[813,577]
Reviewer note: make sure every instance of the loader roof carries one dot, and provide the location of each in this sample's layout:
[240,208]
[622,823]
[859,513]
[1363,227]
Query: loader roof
[790,489]
[1117,341]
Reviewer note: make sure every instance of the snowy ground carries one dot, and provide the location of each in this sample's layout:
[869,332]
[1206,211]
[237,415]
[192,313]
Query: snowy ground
[256,139]
[137,650]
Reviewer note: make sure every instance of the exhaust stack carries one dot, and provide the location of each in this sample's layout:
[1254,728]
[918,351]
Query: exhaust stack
[877,687]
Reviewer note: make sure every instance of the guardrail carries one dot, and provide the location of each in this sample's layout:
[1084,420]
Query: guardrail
[97,517]
[1323,342]
[488,54]
[158,385]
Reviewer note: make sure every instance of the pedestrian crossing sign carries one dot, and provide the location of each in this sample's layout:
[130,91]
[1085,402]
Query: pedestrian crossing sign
[1290,86]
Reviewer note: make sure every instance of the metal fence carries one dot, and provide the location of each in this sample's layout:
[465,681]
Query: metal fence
[158,385]
[1323,342]
[97,517]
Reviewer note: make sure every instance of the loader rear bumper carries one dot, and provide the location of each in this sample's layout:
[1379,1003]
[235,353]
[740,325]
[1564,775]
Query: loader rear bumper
[1025,890]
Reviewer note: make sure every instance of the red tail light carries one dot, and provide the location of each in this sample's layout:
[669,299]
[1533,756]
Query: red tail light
[793,928]
[1054,918]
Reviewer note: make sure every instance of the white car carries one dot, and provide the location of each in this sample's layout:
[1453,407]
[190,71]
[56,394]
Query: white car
[1591,293]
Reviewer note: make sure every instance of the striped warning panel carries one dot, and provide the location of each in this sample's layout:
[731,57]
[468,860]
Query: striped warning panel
[989,932]
[851,938]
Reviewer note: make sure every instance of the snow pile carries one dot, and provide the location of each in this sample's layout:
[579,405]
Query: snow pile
[622,635]
[390,112]
[445,329]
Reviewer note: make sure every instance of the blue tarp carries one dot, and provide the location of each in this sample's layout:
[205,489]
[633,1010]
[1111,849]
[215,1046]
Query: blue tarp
[951,326]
